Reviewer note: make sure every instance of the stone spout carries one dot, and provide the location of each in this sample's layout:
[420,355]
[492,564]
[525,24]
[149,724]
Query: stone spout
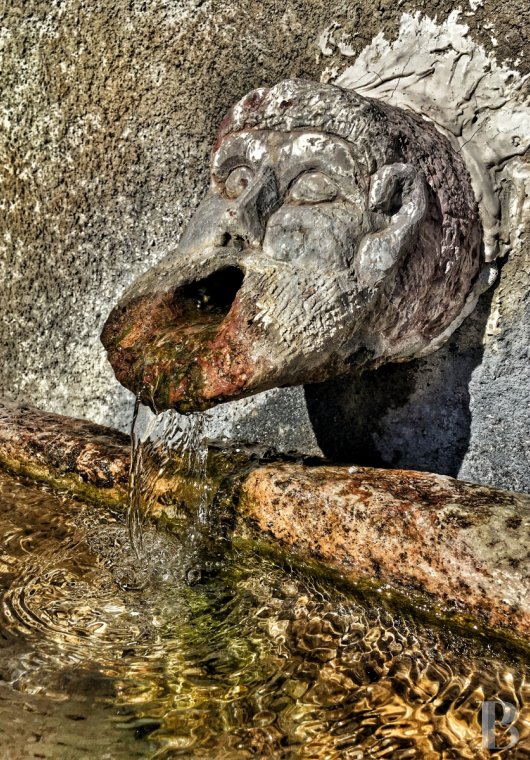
[338,233]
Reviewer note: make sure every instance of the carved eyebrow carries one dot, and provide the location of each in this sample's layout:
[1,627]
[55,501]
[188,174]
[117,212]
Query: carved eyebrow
[231,162]
[238,151]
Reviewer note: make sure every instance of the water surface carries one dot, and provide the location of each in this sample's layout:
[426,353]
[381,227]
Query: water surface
[104,655]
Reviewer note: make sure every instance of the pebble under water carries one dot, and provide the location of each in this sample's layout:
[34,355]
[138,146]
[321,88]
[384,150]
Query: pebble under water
[103,655]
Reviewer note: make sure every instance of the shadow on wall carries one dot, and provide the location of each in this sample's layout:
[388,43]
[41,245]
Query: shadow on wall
[414,415]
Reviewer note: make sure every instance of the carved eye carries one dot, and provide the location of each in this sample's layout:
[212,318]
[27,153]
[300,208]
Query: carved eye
[238,179]
[312,187]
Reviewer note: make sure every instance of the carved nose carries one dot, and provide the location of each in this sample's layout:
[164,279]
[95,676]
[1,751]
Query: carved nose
[243,223]
[241,228]
[238,242]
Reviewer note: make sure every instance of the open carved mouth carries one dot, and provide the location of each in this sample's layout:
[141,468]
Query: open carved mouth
[173,347]
[212,295]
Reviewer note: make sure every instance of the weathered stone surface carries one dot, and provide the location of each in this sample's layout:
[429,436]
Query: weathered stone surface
[108,116]
[92,462]
[339,233]
[466,546]
[460,412]
[441,542]
[87,459]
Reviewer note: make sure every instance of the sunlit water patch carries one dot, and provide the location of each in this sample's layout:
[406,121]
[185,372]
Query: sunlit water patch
[106,656]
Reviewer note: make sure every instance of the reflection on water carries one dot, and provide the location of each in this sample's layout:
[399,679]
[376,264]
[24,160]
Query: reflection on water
[103,656]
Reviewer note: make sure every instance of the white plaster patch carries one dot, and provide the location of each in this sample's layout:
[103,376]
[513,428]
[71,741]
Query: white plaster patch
[328,40]
[482,106]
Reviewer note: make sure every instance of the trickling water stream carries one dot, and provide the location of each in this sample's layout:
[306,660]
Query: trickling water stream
[106,656]
[155,440]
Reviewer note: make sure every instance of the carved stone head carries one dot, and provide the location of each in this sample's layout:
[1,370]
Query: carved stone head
[338,233]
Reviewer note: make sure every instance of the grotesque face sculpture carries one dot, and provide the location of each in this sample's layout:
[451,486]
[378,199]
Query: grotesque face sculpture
[338,233]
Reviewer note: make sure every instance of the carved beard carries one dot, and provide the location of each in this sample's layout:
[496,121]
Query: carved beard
[250,325]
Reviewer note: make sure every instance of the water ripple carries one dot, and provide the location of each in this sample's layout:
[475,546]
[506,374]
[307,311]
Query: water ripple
[255,662]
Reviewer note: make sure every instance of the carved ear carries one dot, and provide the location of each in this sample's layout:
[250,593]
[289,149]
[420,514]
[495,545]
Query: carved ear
[400,192]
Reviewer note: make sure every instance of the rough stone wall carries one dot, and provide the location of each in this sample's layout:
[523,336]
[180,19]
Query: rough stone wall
[107,114]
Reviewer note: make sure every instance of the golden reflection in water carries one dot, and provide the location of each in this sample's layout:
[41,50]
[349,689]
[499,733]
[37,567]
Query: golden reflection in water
[110,656]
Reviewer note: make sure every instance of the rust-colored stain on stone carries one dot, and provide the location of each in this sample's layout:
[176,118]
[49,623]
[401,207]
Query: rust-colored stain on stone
[416,531]
[176,355]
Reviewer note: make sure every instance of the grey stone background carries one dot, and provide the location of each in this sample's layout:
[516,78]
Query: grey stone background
[107,115]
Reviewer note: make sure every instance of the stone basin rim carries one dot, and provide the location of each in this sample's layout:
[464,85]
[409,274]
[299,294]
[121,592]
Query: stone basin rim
[464,568]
